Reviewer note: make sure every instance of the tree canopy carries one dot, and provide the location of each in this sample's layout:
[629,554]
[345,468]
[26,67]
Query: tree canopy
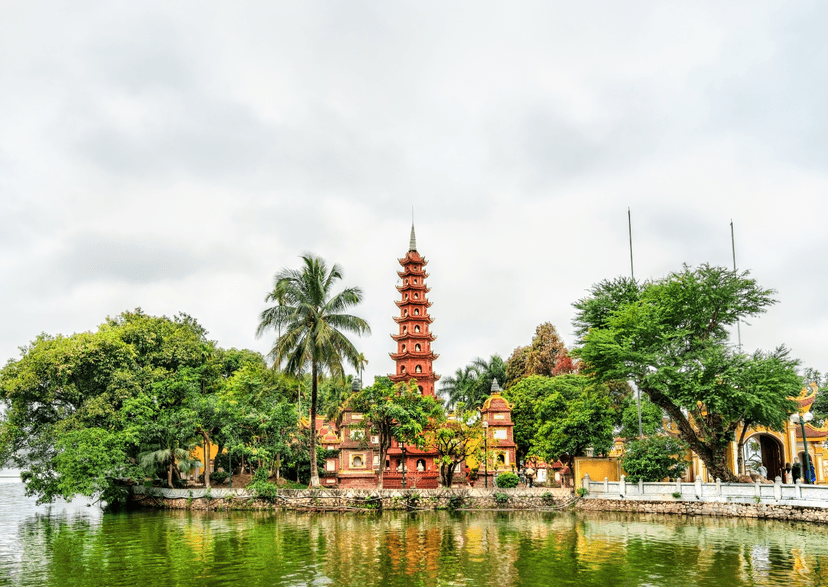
[472,384]
[394,412]
[671,337]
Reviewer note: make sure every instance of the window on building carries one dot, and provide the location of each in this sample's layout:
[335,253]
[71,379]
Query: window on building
[416,296]
[416,329]
[403,348]
[421,464]
[416,311]
[501,459]
[402,368]
[418,369]
[405,312]
[417,348]
[331,466]
[499,434]
[357,462]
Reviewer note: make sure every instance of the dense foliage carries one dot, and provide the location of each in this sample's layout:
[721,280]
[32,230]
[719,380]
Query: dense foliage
[671,337]
[394,412]
[654,458]
[85,412]
[472,384]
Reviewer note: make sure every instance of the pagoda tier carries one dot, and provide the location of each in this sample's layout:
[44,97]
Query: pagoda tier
[410,272]
[413,286]
[401,319]
[414,356]
[415,336]
[414,302]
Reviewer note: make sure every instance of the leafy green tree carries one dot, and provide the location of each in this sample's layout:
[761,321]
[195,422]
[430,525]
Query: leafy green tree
[573,418]
[455,439]
[81,410]
[310,320]
[394,412]
[671,338]
[526,397]
[472,384]
[652,418]
[654,458]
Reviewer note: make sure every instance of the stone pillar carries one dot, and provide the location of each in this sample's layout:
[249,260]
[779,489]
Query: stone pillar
[585,481]
[698,487]
[718,487]
[678,484]
[799,488]
[606,484]
[641,487]
[623,485]
[777,488]
[757,492]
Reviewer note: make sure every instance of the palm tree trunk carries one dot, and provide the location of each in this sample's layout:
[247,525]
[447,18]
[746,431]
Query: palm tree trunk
[314,472]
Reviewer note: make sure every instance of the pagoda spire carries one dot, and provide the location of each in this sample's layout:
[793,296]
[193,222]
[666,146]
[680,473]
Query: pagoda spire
[412,244]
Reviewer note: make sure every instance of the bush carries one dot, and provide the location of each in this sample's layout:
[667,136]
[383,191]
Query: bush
[582,491]
[264,490]
[455,502]
[507,480]
[677,494]
[501,498]
[219,477]
[654,458]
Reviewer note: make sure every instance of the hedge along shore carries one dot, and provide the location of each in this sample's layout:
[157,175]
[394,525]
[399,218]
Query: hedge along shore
[356,500]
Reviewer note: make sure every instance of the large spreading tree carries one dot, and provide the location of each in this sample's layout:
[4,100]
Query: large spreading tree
[394,412]
[310,321]
[671,337]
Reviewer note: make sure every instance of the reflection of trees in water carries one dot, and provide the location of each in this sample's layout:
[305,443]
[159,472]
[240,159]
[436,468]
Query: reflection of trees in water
[484,548]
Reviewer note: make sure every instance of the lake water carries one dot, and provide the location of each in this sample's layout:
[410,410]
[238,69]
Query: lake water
[74,545]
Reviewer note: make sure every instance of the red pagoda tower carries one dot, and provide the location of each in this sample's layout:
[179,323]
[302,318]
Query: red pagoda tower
[414,355]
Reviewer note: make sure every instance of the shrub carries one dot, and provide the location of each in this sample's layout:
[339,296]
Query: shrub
[654,458]
[582,491]
[677,494]
[264,490]
[455,502]
[219,477]
[507,480]
[501,498]
[547,498]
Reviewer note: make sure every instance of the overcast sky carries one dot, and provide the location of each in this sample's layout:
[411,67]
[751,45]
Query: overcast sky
[176,155]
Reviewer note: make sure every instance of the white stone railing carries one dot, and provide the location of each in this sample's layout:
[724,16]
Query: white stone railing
[777,492]
[196,493]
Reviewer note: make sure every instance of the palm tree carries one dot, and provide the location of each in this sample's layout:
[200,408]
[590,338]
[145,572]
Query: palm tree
[472,384]
[309,321]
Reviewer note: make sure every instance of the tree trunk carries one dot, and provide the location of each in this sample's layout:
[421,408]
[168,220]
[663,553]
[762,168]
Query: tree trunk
[314,472]
[169,473]
[206,459]
[383,452]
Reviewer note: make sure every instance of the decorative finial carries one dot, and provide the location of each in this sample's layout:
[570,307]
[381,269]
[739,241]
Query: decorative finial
[412,245]
[495,386]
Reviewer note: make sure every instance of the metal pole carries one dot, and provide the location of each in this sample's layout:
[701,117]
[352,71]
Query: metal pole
[629,226]
[632,275]
[733,249]
[805,448]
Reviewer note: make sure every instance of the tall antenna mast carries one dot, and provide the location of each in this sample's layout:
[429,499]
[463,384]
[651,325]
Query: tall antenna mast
[629,226]
[632,275]
[733,249]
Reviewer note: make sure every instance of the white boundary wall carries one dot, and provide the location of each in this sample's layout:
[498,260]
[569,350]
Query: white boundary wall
[768,493]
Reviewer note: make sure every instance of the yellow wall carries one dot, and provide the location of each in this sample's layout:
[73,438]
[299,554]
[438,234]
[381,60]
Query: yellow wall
[598,469]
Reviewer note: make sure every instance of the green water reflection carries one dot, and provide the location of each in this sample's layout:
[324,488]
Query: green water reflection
[487,548]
